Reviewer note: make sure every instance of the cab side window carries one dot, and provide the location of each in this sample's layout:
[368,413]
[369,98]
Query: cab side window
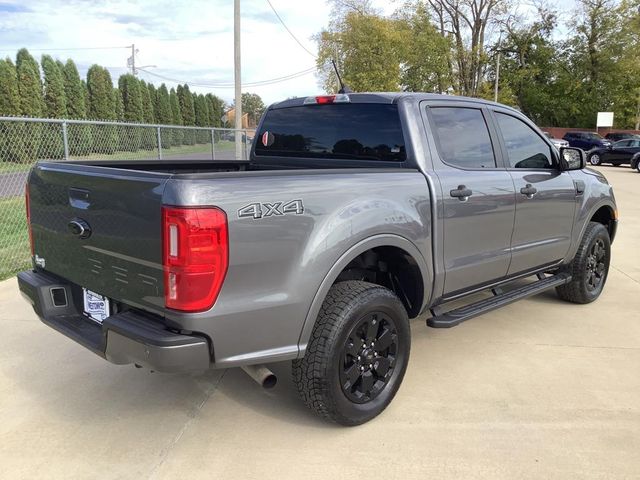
[525,148]
[463,137]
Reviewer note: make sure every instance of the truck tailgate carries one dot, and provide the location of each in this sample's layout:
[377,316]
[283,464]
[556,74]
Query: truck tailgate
[121,256]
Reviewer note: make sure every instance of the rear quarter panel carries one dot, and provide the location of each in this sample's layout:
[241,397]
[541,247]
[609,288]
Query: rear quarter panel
[278,263]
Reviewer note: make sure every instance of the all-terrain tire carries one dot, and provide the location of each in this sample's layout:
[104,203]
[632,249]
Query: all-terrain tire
[354,311]
[589,268]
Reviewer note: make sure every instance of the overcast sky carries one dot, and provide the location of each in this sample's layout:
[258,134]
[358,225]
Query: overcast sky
[188,40]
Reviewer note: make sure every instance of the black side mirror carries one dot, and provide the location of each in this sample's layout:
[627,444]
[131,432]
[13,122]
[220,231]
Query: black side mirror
[572,158]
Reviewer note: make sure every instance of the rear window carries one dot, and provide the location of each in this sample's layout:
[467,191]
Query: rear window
[364,131]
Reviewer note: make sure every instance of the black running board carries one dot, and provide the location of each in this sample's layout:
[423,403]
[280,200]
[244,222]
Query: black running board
[500,299]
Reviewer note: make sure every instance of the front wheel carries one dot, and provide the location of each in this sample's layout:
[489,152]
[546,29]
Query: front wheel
[357,355]
[594,159]
[590,266]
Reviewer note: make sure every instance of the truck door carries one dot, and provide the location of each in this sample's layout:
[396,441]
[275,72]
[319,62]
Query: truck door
[477,205]
[545,195]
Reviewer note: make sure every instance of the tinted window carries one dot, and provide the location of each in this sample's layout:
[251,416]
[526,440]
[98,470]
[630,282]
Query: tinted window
[623,143]
[592,136]
[635,143]
[354,131]
[463,137]
[525,148]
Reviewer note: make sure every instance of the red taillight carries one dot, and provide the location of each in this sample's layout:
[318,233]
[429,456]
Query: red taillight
[195,256]
[28,207]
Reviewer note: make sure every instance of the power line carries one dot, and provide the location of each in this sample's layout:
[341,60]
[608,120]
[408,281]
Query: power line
[290,32]
[66,49]
[258,83]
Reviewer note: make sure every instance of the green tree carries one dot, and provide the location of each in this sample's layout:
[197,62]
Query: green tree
[163,114]
[131,91]
[425,53]
[9,94]
[74,91]
[216,109]
[31,101]
[85,93]
[149,135]
[52,146]
[202,118]
[147,103]
[11,134]
[253,106]
[187,112]
[79,136]
[54,95]
[153,97]
[367,48]
[176,118]
[530,71]
[102,107]
[29,85]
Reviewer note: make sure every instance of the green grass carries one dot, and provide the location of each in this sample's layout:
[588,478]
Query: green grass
[14,239]
[10,167]
[220,146]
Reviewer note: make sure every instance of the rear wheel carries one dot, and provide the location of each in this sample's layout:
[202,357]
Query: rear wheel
[590,266]
[357,355]
[594,159]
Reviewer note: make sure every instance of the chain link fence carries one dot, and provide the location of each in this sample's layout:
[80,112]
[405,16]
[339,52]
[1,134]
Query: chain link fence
[24,141]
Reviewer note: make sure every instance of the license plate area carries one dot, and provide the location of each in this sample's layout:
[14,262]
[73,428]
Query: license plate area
[96,306]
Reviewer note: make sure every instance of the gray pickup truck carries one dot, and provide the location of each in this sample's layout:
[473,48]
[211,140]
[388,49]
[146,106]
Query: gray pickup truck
[354,214]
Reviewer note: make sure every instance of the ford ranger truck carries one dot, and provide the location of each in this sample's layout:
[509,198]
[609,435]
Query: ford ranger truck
[353,214]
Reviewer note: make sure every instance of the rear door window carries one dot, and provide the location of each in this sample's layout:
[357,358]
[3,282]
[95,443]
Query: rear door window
[352,131]
[463,137]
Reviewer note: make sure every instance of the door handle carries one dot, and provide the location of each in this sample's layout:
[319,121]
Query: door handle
[529,191]
[462,193]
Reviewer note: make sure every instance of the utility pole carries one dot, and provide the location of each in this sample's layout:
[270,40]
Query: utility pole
[497,86]
[131,61]
[237,76]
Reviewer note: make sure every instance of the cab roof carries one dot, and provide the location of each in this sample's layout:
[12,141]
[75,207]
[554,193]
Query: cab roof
[388,98]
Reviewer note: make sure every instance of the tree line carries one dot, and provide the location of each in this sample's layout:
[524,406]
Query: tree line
[559,69]
[57,91]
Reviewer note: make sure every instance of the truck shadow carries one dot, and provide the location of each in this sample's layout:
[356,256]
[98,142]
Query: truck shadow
[281,403]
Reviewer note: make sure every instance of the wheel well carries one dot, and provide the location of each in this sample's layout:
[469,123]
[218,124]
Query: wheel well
[605,216]
[392,268]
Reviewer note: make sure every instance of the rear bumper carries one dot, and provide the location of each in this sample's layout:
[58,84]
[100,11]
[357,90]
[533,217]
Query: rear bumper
[123,338]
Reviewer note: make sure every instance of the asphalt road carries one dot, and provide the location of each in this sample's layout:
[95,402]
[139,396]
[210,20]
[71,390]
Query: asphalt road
[538,390]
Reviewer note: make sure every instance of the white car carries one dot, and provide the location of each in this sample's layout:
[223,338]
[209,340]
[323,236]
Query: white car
[557,142]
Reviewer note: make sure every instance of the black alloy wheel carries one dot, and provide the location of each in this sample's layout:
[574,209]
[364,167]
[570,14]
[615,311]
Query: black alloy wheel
[368,357]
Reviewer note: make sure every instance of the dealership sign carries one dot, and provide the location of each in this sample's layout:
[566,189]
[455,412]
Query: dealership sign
[605,119]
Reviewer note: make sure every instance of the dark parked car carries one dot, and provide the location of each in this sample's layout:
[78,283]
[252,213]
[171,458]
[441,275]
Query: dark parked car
[622,152]
[586,140]
[617,136]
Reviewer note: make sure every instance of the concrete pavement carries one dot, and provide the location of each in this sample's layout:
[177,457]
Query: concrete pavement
[540,389]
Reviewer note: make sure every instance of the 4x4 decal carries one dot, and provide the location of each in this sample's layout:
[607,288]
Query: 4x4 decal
[276,209]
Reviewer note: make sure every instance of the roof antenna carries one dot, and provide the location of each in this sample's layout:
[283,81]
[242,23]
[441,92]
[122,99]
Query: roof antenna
[343,88]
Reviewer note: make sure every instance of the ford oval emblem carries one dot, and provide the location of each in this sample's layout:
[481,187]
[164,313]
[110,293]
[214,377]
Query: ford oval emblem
[79,228]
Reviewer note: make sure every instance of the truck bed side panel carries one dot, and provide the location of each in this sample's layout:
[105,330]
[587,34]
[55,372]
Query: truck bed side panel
[277,262]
